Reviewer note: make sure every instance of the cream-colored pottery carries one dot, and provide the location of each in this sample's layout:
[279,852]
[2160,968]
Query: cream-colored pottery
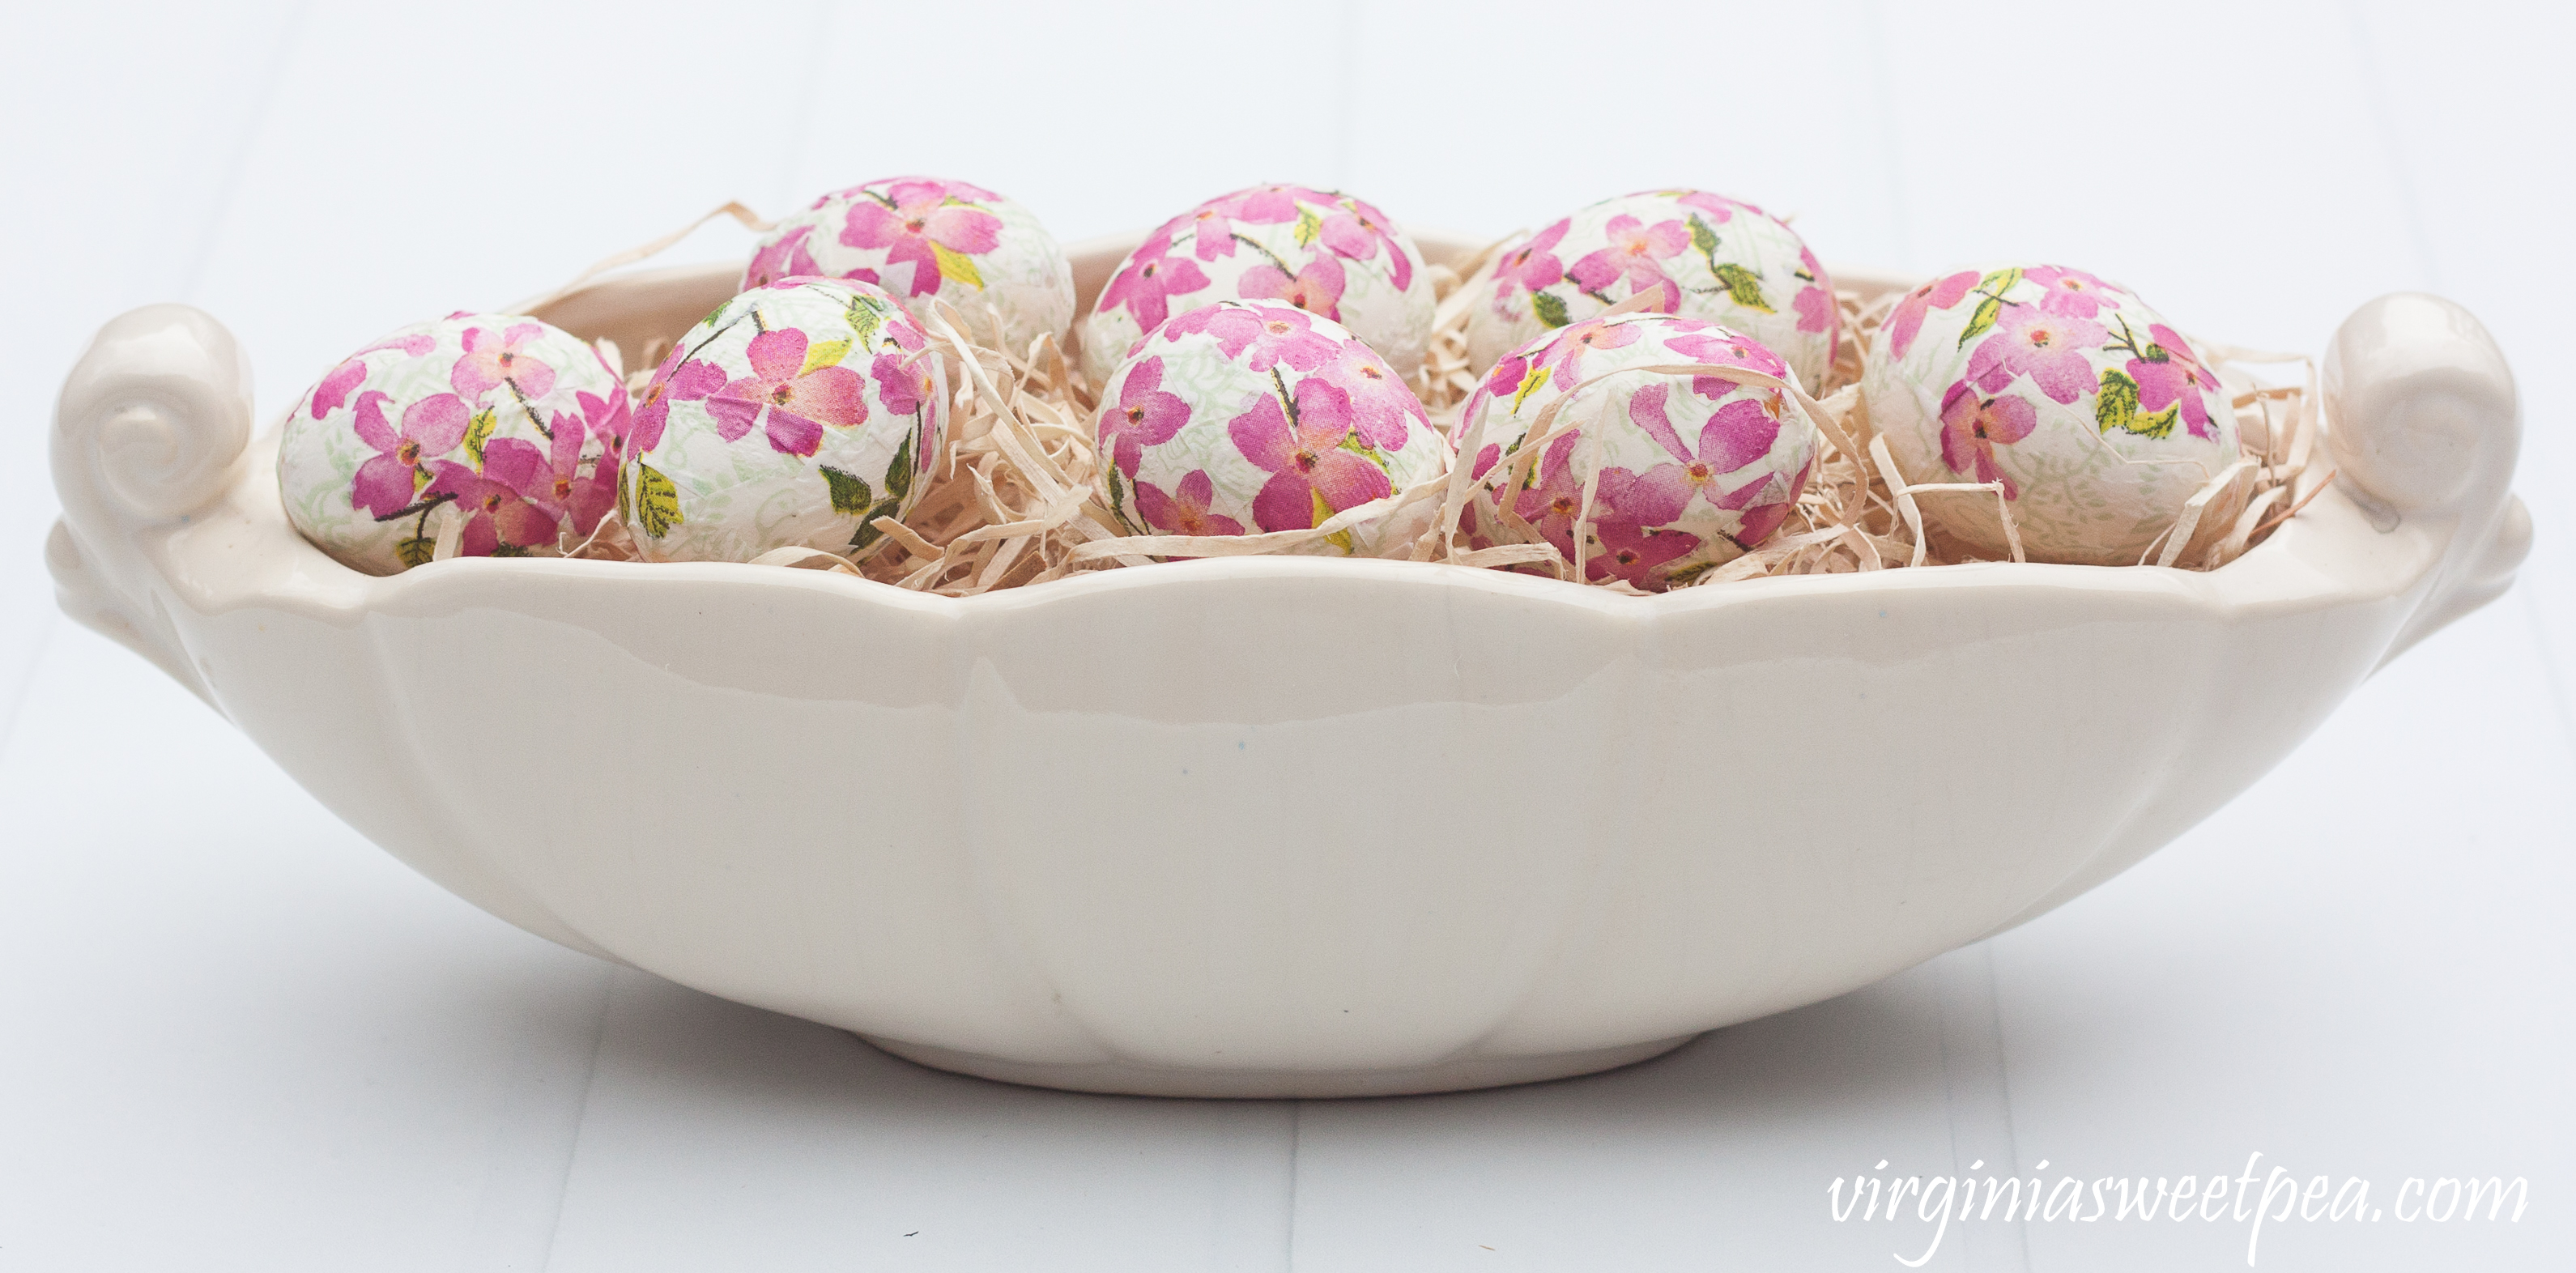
[1265,826]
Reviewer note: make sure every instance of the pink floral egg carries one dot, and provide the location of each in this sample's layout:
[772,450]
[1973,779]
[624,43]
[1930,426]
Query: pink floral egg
[508,424]
[1682,471]
[1245,417]
[795,415]
[1320,250]
[2098,419]
[1701,255]
[923,237]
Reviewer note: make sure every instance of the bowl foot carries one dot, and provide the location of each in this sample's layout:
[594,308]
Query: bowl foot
[1154,1080]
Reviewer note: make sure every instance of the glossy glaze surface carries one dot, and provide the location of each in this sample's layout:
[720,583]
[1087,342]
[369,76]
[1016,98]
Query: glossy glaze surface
[1271,826]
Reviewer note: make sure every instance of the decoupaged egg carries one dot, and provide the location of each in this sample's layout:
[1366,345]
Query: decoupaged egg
[2099,419]
[793,416]
[509,424]
[920,237]
[1702,255]
[1245,417]
[1320,250]
[1686,471]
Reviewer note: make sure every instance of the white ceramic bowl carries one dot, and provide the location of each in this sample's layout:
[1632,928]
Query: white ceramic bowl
[1268,826]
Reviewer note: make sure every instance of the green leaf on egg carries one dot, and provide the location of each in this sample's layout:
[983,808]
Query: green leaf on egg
[1982,321]
[1703,238]
[850,493]
[1309,226]
[1743,286]
[2000,282]
[824,353]
[477,433]
[956,266]
[415,550]
[898,476]
[864,318]
[868,534]
[2116,407]
[1549,308]
[657,502]
[1531,380]
[1118,496]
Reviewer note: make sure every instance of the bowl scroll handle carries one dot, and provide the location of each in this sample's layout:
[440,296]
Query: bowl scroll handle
[149,432]
[2425,427]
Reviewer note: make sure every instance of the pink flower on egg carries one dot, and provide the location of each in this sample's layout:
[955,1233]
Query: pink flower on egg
[1651,498]
[1159,243]
[1313,475]
[2073,293]
[1357,232]
[1763,504]
[785,259]
[1554,502]
[610,418]
[1211,233]
[674,381]
[1143,416]
[2179,376]
[1738,433]
[1185,510]
[1634,550]
[1147,286]
[1270,334]
[570,493]
[1717,207]
[1971,426]
[493,359]
[1564,355]
[502,502]
[1815,302]
[431,428]
[1383,409]
[2049,348]
[1942,293]
[1265,205]
[903,384]
[1714,344]
[1532,265]
[336,387]
[912,220]
[906,334]
[793,402]
[1317,288]
[966,191]
[1636,252]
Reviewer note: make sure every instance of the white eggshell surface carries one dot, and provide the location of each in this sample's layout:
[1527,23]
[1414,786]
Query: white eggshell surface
[1701,255]
[1245,417]
[2099,420]
[500,419]
[793,416]
[1326,252]
[924,237]
[1684,471]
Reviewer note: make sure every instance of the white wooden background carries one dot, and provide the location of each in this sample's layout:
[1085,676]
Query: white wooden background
[235,1036]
